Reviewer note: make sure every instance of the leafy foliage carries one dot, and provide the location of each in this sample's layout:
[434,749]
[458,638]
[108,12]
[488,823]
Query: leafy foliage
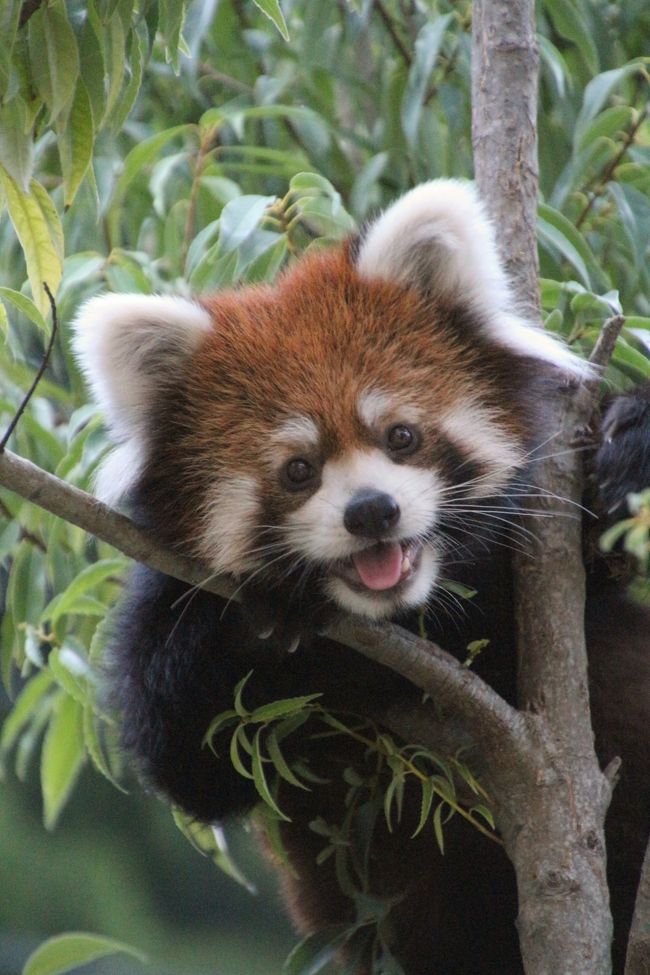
[158,146]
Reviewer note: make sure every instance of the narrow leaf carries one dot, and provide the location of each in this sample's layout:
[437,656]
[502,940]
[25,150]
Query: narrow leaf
[283,708]
[273,11]
[427,47]
[54,56]
[259,778]
[22,711]
[425,806]
[65,952]
[75,139]
[280,763]
[62,757]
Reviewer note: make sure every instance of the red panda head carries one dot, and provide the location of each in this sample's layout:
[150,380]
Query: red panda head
[326,425]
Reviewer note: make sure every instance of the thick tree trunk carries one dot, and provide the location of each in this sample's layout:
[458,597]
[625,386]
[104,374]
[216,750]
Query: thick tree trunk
[552,821]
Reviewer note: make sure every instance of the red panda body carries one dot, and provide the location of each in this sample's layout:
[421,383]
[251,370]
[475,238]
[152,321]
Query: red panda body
[345,440]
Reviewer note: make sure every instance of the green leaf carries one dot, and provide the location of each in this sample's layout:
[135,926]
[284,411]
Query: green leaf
[554,228]
[598,91]
[570,23]
[280,763]
[437,827]
[211,841]
[314,952]
[170,25]
[610,124]
[32,225]
[16,143]
[54,56]
[21,713]
[75,139]
[130,93]
[304,184]
[24,305]
[9,18]
[101,755]
[114,40]
[62,757]
[553,60]
[88,578]
[273,11]
[239,218]
[92,67]
[266,266]
[71,672]
[427,47]
[283,708]
[237,740]
[65,952]
[143,154]
[259,777]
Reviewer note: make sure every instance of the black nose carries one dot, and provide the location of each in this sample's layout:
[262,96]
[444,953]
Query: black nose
[371,513]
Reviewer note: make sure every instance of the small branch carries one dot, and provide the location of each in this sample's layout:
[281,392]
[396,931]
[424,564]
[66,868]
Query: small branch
[207,71]
[390,27]
[611,168]
[603,350]
[25,534]
[37,378]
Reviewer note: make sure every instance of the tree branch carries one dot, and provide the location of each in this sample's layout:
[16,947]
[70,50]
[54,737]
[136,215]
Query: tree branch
[553,829]
[504,736]
[638,949]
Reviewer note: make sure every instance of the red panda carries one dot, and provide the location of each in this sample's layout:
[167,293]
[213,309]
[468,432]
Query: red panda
[345,440]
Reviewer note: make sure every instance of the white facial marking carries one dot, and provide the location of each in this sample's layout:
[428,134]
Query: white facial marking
[317,528]
[438,237]
[377,406]
[297,430]
[476,431]
[229,519]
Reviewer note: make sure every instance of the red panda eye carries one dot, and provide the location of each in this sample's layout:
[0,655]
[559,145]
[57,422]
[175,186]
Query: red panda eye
[299,472]
[402,439]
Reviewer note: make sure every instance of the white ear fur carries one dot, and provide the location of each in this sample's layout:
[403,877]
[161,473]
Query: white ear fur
[124,344]
[438,238]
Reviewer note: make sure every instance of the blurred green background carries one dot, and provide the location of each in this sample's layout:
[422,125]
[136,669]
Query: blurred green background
[116,864]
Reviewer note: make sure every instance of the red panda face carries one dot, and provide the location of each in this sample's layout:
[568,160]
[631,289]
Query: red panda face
[326,427]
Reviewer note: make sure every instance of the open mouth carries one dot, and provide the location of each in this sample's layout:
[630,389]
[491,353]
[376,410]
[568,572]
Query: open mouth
[382,567]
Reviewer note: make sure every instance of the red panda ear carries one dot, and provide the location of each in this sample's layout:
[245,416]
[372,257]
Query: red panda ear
[125,344]
[438,239]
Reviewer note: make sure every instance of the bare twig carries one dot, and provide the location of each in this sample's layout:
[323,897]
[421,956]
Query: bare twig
[603,350]
[37,378]
[392,32]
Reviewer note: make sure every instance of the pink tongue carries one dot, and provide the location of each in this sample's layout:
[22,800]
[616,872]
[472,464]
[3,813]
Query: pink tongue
[379,567]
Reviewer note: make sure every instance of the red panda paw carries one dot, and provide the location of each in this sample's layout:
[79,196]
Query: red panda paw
[284,621]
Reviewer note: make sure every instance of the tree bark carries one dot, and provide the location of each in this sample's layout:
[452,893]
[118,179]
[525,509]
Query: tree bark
[552,823]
